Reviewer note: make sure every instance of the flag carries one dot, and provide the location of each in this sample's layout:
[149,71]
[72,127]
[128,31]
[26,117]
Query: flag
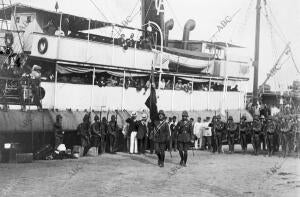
[151,101]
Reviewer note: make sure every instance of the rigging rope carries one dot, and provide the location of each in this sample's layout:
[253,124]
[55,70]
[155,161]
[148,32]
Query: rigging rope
[99,10]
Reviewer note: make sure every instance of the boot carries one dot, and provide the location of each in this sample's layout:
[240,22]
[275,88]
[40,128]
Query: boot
[181,157]
[162,159]
[159,159]
[185,159]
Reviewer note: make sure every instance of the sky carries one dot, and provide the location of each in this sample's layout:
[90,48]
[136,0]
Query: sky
[284,15]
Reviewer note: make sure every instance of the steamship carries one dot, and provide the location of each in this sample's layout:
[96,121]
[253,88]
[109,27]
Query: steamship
[72,64]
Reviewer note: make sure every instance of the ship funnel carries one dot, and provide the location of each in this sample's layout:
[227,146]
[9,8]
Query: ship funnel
[189,26]
[168,26]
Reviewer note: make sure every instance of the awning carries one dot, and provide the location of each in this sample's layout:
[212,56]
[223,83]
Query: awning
[195,80]
[65,69]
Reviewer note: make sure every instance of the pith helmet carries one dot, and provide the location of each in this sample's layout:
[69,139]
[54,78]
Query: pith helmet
[133,113]
[185,113]
[161,112]
[58,116]
[244,117]
[86,117]
[96,117]
[218,117]
[230,118]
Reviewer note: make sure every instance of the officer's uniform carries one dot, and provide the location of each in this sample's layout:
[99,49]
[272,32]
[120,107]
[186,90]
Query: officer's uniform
[58,131]
[270,131]
[243,128]
[262,134]
[297,133]
[285,131]
[219,129]
[113,132]
[104,135]
[256,130]
[184,130]
[95,132]
[161,137]
[231,128]
[83,131]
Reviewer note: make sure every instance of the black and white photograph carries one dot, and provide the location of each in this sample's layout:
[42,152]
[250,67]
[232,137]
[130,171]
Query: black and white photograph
[143,98]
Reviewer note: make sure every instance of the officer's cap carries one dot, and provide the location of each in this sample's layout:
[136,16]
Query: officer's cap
[262,117]
[96,117]
[58,116]
[161,112]
[185,113]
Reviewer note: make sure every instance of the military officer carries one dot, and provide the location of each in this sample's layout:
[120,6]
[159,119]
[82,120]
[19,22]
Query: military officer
[83,131]
[243,128]
[104,134]
[113,132]
[262,134]
[96,133]
[297,133]
[256,130]
[219,129]
[231,129]
[270,131]
[160,137]
[285,131]
[184,130]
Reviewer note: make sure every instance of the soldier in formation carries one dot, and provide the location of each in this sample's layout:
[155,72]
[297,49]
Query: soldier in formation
[161,137]
[112,132]
[243,128]
[231,128]
[219,130]
[184,130]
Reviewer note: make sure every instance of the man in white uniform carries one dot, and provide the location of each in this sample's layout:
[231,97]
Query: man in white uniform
[207,134]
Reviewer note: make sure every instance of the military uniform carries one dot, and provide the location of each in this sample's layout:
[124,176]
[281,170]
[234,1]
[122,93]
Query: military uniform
[113,132]
[160,137]
[231,129]
[256,130]
[297,133]
[262,134]
[285,131]
[83,131]
[219,129]
[270,131]
[58,132]
[104,135]
[243,128]
[95,132]
[184,131]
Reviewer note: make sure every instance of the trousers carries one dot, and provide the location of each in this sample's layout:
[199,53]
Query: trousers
[270,143]
[244,141]
[133,142]
[231,142]
[219,141]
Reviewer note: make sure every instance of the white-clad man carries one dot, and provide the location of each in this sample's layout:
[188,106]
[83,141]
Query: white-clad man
[132,132]
[198,132]
[207,134]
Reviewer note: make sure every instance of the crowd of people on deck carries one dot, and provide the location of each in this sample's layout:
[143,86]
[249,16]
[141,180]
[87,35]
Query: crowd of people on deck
[267,133]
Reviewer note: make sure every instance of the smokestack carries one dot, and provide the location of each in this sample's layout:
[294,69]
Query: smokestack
[168,26]
[188,27]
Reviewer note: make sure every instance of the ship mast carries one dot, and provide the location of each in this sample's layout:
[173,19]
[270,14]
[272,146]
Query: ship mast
[256,53]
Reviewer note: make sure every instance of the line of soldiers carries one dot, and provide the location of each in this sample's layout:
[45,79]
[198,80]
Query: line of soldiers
[269,133]
[98,134]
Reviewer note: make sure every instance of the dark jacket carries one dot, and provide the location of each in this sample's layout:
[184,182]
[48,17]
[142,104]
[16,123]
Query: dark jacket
[184,131]
[142,130]
[133,126]
[161,132]
[113,128]
[58,132]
